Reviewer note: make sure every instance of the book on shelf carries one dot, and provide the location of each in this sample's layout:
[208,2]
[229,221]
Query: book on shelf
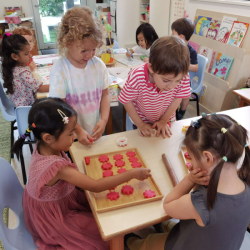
[204,28]
[200,94]
[237,33]
[225,28]
[213,29]
[199,23]
[194,45]
[222,65]
[210,55]
[195,20]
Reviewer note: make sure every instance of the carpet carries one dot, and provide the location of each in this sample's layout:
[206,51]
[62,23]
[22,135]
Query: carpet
[5,131]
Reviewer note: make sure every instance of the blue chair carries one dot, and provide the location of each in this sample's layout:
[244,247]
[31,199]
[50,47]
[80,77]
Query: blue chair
[8,111]
[116,45]
[11,195]
[22,113]
[246,242]
[196,86]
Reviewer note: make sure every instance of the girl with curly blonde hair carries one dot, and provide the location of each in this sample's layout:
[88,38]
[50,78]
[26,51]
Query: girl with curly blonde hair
[79,77]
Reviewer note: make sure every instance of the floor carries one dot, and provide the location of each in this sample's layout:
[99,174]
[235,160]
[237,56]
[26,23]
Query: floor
[117,127]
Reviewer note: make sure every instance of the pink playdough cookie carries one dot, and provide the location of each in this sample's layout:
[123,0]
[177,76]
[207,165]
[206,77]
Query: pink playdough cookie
[149,194]
[107,173]
[118,157]
[127,190]
[188,164]
[136,164]
[107,166]
[121,170]
[133,159]
[113,196]
[119,163]
[187,156]
[103,158]
[87,160]
[130,153]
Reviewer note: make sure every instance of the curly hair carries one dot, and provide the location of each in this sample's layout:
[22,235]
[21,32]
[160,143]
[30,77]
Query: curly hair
[10,44]
[78,24]
[23,31]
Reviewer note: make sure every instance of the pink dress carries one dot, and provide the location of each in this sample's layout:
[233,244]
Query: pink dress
[58,216]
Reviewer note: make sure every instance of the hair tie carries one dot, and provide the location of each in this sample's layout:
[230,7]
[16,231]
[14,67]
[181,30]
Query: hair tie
[8,34]
[23,136]
[224,158]
[33,125]
[65,118]
[223,130]
[195,124]
[246,145]
[28,130]
[203,114]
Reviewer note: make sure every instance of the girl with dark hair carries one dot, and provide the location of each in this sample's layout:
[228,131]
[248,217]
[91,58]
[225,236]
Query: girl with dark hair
[57,213]
[216,214]
[145,37]
[18,80]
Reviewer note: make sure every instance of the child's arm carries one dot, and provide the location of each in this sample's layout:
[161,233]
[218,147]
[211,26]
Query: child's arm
[162,126]
[131,51]
[193,67]
[85,182]
[32,66]
[144,128]
[104,108]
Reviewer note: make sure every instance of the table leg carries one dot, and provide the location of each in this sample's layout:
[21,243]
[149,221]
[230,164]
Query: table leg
[117,243]
[124,118]
[110,123]
[242,101]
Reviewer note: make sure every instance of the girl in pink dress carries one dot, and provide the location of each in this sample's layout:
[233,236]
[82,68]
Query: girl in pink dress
[56,212]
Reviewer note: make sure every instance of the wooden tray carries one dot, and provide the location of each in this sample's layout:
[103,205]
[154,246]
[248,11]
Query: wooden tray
[183,151]
[101,202]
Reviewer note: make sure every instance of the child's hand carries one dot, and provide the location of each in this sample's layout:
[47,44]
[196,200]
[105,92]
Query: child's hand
[199,176]
[145,59]
[145,129]
[84,138]
[163,128]
[141,173]
[128,55]
[32,66]
[99,129]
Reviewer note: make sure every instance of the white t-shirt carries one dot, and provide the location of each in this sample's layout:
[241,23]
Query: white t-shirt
[139,50]
[82,88]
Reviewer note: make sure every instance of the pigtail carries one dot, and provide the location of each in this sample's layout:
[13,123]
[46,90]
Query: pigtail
[244,171]
[213,185]
[18,145]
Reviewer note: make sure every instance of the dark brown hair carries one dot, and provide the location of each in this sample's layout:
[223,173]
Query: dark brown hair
[183,26]
[207,136]
[169,55]
[148,32]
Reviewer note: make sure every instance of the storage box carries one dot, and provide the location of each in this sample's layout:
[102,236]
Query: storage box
[13,19]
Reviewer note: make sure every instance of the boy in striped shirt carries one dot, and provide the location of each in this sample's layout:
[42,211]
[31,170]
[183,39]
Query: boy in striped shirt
[154,90]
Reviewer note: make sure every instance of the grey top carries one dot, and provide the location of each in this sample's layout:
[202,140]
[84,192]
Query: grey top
[225,224]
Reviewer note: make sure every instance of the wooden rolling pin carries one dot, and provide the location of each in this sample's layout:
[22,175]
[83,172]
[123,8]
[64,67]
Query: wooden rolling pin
[171,171]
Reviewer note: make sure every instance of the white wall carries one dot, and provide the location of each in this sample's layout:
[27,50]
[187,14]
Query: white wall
[11,3]
[192,6]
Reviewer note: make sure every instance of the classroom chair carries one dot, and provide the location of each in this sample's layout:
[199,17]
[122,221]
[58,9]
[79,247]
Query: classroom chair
[116,45]
[246,242]
[11,195]
[8,111]
[22,113]
[196,86]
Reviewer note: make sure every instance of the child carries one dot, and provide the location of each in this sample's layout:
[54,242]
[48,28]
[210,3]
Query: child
[28,35]
[213,217]
[184,28]
[18,80]
[145,37]
[154,90]
[56,212]
[79,77]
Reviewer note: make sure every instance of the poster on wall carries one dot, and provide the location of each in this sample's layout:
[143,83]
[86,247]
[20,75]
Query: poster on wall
[178,9]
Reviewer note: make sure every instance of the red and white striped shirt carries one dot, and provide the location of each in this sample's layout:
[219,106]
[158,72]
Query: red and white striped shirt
[149,102]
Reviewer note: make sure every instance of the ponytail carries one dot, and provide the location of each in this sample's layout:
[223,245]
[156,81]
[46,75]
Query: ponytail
[17,147]
[244,171]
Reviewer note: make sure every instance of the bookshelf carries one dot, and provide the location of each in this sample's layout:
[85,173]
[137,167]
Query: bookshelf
[219,94]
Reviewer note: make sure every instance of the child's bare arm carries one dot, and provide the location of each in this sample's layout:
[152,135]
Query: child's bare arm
[32,66]
[104,109]
[85,182]
[193,67]
[144,128]
[43,88]
[161,125]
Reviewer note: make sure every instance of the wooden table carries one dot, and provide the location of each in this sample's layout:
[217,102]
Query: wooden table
[114,225]
[244,95]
